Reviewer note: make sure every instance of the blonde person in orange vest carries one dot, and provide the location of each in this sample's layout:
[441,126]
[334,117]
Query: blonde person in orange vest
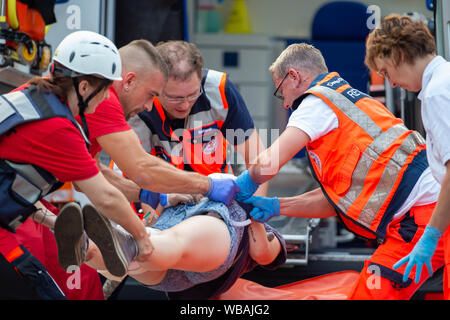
[373,171]
[404,52]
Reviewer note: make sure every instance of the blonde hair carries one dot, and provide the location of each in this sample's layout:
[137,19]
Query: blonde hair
[400,38]
[300,56]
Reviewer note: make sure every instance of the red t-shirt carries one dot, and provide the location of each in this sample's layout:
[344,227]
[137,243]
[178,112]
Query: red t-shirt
[107,118]
[55,145]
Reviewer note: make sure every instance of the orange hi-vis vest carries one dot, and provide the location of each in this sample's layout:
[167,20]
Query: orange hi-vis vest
[200,145]
[368,165]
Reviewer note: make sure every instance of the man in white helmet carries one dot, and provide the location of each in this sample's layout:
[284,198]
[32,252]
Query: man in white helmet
[42,146]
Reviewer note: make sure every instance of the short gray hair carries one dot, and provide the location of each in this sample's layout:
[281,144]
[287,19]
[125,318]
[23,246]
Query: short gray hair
[300,56]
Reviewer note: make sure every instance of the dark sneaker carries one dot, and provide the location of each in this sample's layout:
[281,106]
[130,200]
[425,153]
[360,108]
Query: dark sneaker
[69,230]
[100,230]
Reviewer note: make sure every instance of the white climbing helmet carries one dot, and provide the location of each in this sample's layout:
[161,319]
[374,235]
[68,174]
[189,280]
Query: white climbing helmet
[89,53]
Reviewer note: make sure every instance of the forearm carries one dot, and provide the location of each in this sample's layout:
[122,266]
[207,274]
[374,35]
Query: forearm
[128,187]
[257,156]
[112,204]
[156,175]
[271,160]
[441,215]
[148,171]
[262,190]
[262,250]
[266,167]
[312,204]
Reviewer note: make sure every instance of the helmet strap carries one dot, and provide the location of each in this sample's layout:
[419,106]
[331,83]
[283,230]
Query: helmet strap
[83,104]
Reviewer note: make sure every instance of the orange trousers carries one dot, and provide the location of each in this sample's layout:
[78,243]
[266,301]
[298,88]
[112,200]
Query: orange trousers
[378,280]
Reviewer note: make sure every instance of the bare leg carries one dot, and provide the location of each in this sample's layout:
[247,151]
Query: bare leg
[200,243]
[44,216]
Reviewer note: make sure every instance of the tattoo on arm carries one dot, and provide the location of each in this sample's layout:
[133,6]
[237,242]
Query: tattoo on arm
[252,234]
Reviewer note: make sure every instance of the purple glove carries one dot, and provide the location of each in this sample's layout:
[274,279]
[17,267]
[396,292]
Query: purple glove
[222,190]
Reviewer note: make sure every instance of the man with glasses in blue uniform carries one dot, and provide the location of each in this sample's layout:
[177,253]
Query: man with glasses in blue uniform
[198,115]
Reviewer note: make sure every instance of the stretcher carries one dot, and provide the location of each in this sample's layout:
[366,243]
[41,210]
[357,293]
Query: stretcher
[297,234]
[333,286]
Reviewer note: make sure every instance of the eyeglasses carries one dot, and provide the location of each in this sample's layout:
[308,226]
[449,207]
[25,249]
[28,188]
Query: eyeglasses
[276,93]
[383,73]
[182,99]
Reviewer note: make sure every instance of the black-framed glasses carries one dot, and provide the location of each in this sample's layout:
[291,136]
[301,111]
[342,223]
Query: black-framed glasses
[276,93]
[182,99]
[383,73]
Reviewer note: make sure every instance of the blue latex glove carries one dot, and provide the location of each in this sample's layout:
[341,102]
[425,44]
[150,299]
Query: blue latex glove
[247,186]
[153,198]
[264,208]
[421,254]
[222,190]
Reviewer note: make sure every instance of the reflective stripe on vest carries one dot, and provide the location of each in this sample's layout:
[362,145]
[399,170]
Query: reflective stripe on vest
[24,106]
[386,152]
[214,88]
[203,157]
[32,188]
[29,105]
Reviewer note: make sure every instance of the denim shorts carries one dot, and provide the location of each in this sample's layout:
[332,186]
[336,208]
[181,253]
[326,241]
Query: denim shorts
[233,216]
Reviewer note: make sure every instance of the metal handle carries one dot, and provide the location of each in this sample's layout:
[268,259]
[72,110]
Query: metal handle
[303,261]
